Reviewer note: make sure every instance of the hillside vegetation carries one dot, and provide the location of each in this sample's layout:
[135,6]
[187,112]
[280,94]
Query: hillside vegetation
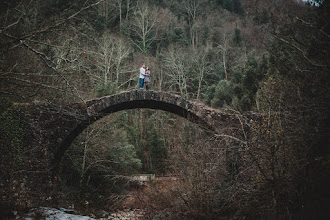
[269,58]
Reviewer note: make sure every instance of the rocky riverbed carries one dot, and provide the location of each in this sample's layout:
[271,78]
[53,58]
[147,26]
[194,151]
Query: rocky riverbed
[66,214]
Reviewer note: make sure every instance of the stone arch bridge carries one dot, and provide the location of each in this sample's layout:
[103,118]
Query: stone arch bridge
[208,118]
[59,126]
[51,130]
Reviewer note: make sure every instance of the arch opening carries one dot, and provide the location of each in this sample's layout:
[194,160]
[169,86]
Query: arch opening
[125,105]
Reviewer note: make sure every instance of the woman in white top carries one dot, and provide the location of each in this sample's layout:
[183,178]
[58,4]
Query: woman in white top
[146,78]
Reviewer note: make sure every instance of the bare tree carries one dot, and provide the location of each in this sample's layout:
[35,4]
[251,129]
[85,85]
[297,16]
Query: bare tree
[201,65]
[223,49]
[142,26]
[177,64]
[29,39]
[112,52]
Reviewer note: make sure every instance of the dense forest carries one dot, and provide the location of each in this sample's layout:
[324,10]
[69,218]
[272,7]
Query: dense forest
[266,58]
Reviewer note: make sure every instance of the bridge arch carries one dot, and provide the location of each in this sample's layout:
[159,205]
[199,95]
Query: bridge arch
[96,109]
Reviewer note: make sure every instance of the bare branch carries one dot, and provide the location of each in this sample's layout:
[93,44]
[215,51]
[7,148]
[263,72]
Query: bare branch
[231,137]
[48,62]
[300,50]
[12,24]
[33,83]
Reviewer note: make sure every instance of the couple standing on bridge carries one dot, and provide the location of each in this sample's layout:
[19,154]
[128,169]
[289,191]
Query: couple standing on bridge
[144,76]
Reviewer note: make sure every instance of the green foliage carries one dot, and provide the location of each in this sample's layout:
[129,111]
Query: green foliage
[262,18]
[151,150]
[177,35]
[133,134]
[159,153]
[106,89]
[252,75]
[223,94]
[240,91]
[99,23]
[230,5]
[209,94]
[124,159]
[206,35]
[237,39]
[99,159]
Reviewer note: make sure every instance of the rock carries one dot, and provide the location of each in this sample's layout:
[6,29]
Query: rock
[69,211]
[53,214]
[102,214]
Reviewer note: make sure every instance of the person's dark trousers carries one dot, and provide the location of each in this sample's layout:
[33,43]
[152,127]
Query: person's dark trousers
[141,83]
[147,87]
